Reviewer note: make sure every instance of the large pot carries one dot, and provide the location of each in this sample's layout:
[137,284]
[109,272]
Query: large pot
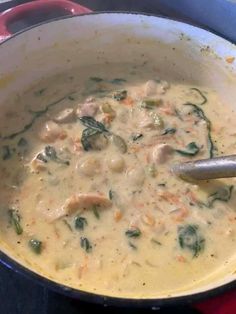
[176,49]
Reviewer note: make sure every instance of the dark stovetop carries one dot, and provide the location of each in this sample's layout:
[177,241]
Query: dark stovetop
[19,295]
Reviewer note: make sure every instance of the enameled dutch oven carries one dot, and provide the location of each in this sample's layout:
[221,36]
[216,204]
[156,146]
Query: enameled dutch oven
[176,49]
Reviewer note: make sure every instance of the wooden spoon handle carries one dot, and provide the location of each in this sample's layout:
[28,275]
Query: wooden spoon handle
[219,167]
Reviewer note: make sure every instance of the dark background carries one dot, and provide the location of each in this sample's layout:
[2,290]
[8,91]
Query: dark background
[19,295]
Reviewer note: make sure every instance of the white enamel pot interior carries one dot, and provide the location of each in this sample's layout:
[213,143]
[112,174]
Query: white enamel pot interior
[179,51]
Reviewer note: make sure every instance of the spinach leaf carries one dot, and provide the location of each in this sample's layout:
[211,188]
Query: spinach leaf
[96,79]
[35,245]
[133,233]
[150,103]
[85,244]
[67,224]
[6,152]
[50,153]
[190,238]
[90,122]
[156,241]
[121,95]
[137,136]
[169,131]
[191,150]
[119,142]
[87,136]
[80,222]
[178,114]
[95,211]
[223,194]
[117,81]
[111,194]
[204,99]
[15,219]
[22,142]
[134,247]
[201,115]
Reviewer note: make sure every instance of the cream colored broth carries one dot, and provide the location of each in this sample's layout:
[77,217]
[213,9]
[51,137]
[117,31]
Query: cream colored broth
[113,219]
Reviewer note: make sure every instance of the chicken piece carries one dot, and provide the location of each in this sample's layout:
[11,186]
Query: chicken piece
[152,88]
[85,201]
[51,132]
[65,116]
[89,108]
[74,203]
[161,153]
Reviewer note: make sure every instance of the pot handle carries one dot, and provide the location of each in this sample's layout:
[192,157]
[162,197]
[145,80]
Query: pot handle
[21,11]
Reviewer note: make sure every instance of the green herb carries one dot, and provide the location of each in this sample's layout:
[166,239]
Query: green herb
[190,238]
[15,219]
[22,142]
[95,212]
[111,194]
[119,142]
[178,114]
[36,115]
[134,247]
[87,137]
[191,150]
[85,244]
[35,245]
[50,153]
[71,98]
[40,92]
[96,79]
[223,194]
[133,233]
[67,224]
[155,241]
[137,136]
[121,95]
[91,123]
[117,81]
[161,184]
[150,103]
[6,152]
[80,222]
[151,169]
[201,115]
[169,131]
[204,99]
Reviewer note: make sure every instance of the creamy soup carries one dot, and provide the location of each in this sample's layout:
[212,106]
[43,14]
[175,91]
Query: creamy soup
[87,194]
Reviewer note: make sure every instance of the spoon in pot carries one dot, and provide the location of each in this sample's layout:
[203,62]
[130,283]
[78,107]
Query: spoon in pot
[205,169]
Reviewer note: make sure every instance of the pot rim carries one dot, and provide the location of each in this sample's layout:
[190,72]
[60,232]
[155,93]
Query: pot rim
[153,303]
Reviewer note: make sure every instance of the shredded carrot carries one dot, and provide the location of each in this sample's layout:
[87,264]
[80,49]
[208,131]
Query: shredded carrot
[182,214]
[149,219]
[84,267]
[230,59]
[181,258]
[168,196]
[117,215]
[128,101]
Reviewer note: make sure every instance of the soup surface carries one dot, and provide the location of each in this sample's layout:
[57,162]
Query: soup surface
[87,195]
